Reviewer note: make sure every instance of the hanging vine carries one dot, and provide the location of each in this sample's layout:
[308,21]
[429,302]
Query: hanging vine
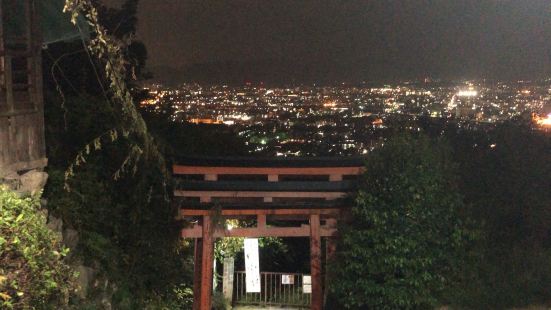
[109,52]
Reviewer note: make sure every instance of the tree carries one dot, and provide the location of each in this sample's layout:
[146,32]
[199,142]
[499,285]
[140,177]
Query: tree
[505,179]
[405,237]
[126,225]
[127,228]
[119,201]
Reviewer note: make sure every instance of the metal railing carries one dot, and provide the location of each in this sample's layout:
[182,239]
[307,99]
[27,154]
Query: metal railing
[276,288]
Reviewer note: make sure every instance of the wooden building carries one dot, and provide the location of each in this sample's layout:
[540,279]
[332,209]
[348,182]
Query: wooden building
[22,145]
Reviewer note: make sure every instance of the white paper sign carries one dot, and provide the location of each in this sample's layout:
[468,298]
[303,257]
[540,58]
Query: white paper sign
[252,269]
[287,279]
[307,284]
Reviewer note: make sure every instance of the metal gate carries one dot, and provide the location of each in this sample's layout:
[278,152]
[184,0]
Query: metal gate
[277,288]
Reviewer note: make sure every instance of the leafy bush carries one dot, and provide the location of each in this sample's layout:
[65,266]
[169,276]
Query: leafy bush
[32,272]
[405,240]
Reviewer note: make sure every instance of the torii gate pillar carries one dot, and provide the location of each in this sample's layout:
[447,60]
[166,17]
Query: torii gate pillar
[315,263]
[202,277]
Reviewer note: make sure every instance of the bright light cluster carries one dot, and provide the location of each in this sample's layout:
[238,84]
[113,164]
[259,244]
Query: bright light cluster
[467,93]
[544,121]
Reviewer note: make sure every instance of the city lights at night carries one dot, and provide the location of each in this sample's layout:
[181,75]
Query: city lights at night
[316,120]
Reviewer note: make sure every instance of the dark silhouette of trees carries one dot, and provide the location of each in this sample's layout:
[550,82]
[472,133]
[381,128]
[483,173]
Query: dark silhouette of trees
[506,180]
[405,239]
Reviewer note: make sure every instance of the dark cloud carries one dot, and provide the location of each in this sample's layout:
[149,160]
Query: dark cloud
[359,39]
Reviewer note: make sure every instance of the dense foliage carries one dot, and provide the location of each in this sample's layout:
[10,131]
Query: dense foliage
[405,240]
[506,182]
[119,199]
[127,226]
[126,220]
[33,274]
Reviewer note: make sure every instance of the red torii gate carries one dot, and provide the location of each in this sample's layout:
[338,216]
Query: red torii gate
[299,189]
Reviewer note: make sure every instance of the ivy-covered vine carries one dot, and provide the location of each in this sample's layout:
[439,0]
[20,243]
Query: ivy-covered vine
[109,52]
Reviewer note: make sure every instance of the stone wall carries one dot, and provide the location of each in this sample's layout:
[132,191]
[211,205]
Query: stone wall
[26,183]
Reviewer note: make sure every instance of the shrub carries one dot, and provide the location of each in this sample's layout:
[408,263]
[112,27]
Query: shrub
[32,271]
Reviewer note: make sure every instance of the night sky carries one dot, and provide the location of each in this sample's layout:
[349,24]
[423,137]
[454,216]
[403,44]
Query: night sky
[350,40]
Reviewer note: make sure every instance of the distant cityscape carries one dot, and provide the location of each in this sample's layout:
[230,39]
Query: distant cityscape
[348,119]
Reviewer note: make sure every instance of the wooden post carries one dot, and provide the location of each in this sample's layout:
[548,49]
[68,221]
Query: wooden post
[2,53]
[261,221]
[211,177]
[335,177]
[315,262]
[207,263]
[198,253]
[8,83]
[29,51]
